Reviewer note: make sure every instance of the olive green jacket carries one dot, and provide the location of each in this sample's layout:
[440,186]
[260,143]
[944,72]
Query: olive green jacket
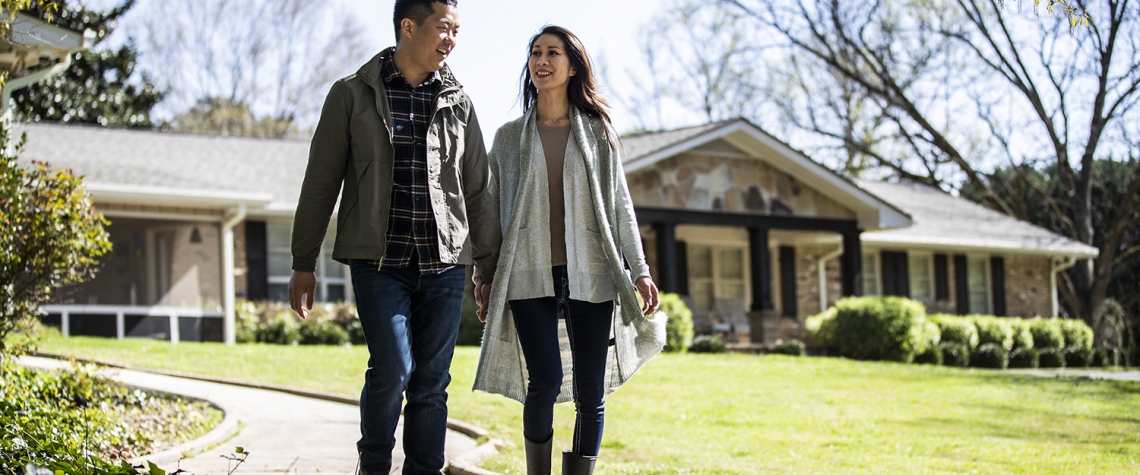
[352,146]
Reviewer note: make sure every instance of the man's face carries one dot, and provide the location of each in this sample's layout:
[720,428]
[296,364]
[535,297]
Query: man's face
[431,43]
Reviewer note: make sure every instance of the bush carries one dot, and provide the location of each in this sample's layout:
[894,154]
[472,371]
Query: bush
[1024,358]
[955,329]
[955,354]
[1047,333]
[1103,358]
[281,331]
[708,344]
[790,347]
[879,328]
[990,355]
[820,328]
[1051,358]
[356,333]
[1022,335]
[1077,334]
[933,355]
[470,328]
[679,328]
[931,337]
[998,331]
[316,331]
[1077,357]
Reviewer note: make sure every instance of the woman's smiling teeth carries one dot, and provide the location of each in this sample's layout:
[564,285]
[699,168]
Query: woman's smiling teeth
[543,73]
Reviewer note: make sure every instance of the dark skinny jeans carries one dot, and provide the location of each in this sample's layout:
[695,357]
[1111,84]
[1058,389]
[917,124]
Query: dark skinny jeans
[588,326]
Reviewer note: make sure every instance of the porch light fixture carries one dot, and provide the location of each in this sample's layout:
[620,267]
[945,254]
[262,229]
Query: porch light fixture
[195,235]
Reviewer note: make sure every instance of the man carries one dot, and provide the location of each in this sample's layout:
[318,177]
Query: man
[402,138]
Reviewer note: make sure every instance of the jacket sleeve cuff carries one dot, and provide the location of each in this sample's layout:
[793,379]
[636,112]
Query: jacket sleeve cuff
[304,265]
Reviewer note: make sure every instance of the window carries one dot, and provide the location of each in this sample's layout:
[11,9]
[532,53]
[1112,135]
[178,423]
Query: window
[332,285]
[921,274]
[715,273]
[977,281]
[870,273]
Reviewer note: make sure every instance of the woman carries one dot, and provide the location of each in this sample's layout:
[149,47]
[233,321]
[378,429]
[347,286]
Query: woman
[569,232]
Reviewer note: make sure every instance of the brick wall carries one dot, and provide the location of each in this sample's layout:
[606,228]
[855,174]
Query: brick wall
[241,267]
[1027,292]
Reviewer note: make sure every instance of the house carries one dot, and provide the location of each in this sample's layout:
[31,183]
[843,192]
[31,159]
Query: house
[754,234]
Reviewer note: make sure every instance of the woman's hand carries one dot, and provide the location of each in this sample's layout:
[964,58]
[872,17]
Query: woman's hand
[482,298]
[648,291]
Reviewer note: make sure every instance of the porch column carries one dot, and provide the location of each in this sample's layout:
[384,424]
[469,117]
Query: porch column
[761,268]
[228,326]
[666,256]
[851,264]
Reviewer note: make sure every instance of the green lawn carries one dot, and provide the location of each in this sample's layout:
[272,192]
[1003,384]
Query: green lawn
[752,414]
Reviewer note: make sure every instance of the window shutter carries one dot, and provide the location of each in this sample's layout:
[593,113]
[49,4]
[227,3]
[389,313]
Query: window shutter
[682,268]
[961,284]
[896,275]
[997,269]
[788,280]
[256,261]
[941,278]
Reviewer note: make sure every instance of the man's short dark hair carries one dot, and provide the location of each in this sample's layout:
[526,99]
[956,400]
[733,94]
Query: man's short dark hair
[416,10]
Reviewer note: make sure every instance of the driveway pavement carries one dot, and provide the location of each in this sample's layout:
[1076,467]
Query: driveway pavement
[283,433]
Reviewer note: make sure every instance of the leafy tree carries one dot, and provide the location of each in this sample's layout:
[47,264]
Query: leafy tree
[50,235]
[101,86]
[221,116]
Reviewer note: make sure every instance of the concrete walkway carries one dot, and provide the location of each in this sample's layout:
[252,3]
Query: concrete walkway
[1079,373]
[283,433]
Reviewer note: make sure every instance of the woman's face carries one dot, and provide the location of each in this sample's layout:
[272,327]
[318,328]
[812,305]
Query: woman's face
[549,66]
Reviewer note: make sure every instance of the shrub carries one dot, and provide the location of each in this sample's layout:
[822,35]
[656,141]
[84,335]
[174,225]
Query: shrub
[994,330]
[1047,333]
[931,337]
[821,328]
[1024,358]
[470,328]
[990,355]
[1077,357]
[1077,334]
[679,328]
[790,347]
[281,331]
[356,333]
[955,354]
[932,355]
[1051,358]
[1104,358]
[708,344]
[1022,335]
[955,329]
[879,328]
[319,331]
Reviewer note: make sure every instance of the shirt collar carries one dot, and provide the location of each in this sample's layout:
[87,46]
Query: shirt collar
[391,74]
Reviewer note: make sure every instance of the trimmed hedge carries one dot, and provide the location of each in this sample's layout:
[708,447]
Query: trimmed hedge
[1046,333]
[679,327]
[1077,334]
[1024,358]
[955,329]
[998,331]
[790,347]
[955,354]
[1022,336]
[1078,357]
[932,355]
[820,328]
[708,344]
[990,355]
[879,328]
[1051,358]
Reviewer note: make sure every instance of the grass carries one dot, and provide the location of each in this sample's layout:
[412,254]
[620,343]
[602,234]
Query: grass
[706,414]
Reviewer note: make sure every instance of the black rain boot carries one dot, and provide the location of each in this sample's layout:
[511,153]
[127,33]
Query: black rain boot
[573,464]
[538,457]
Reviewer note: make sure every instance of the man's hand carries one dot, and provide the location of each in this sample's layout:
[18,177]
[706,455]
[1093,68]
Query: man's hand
[302,288]
[482,298]
[648,291]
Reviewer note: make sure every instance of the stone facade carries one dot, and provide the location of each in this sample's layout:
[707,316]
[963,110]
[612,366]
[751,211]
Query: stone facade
[701,182]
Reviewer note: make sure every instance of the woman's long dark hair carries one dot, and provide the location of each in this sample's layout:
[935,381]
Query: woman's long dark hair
[582,89]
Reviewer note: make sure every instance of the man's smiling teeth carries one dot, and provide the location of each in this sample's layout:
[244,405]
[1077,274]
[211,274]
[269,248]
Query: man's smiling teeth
[441,51]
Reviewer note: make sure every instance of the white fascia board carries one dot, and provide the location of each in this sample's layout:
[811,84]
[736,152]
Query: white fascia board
[32,32]
[154,195]
[973,245]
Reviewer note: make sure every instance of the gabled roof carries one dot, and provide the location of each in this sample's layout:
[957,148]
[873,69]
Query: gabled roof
[943,221]
[644,150]
[148,167]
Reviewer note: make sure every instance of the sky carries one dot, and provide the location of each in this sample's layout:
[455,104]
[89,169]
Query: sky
[493,37]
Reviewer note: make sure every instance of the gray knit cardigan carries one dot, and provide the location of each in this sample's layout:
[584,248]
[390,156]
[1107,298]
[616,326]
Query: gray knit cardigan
[521,192]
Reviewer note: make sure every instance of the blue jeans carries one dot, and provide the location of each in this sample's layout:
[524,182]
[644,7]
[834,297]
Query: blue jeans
[588,326]
[410,322]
